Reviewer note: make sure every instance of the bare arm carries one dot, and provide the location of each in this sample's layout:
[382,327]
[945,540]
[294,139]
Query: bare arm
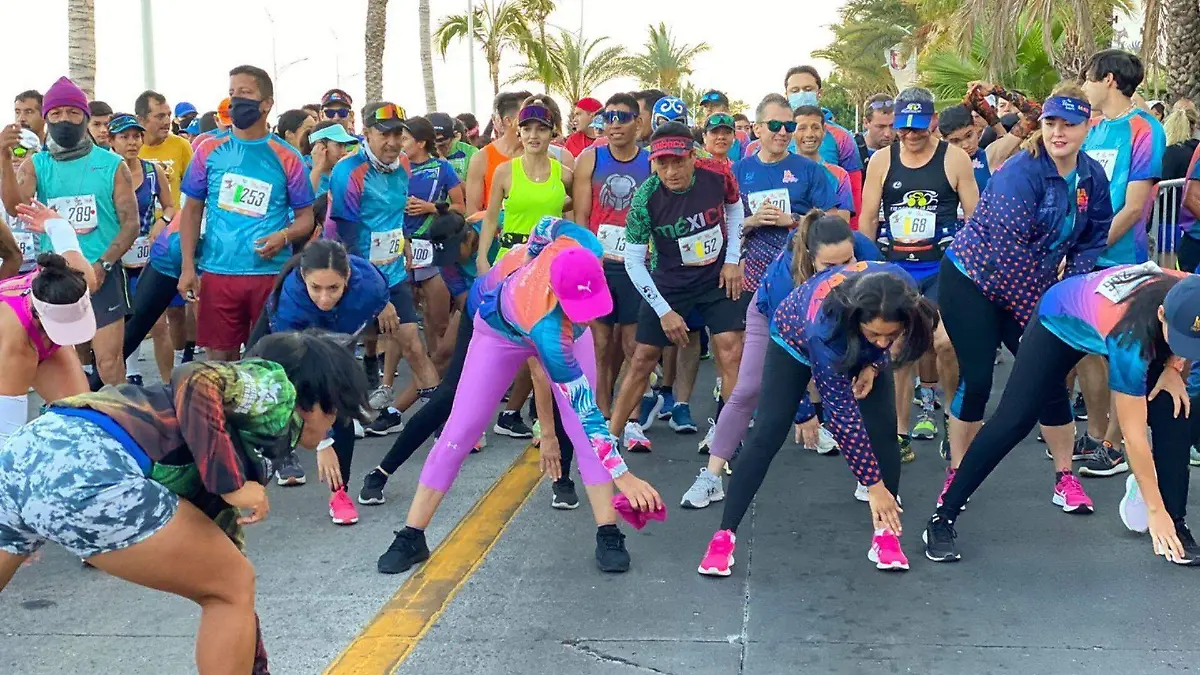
[961,174]
[17,186]
[872,194]
[581,187]
[166,198]
[125,202]
[1191,199]
[9,251]
[302,225]
[1001,149]
[1136,194]
[476,171]
[569,202]
[458,199]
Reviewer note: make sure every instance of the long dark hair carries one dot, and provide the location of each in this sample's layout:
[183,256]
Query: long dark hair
[320,254]
[881,295]
[422,130]
[816,229]
[1140,324]
[57,283]
[323,371]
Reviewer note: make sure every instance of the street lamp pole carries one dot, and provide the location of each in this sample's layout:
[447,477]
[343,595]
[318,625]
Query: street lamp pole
[147,44]
[471,49]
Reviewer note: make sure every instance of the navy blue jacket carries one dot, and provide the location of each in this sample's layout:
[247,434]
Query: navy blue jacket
[365,297]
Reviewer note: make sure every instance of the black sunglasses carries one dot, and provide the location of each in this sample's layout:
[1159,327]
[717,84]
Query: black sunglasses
[775,125]
[337,112]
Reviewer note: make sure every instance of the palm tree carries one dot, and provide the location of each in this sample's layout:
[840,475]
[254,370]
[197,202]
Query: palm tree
[374,40]
[665,61]
[81,44]
[946,73]
[536,49]
[1182,47]
[426,55]
[498,25]
[575,66]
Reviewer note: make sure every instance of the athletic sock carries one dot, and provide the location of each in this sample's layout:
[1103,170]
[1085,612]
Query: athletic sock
[414,530]
[394,411]
[189,352]
[1058,475]
[665,390]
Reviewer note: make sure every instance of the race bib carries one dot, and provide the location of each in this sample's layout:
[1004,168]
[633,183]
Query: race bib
[138,254]
[80,211]
[1120,285]
[1107,159]
[701,248]
[422,252]
[387,246]
[27,242]
[779,198]
[912,224]
[612,238]
[244,195]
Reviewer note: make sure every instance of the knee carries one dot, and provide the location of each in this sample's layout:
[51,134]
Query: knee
[236,587]
[644,358]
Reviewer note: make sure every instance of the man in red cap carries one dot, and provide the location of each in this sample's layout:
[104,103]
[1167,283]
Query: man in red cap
[581,121]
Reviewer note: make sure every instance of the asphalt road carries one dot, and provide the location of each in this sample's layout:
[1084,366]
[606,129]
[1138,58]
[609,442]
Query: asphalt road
[1037,592]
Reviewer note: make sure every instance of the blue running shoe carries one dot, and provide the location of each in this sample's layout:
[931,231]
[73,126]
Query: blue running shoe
[652,404]
[681,419]
[668,404]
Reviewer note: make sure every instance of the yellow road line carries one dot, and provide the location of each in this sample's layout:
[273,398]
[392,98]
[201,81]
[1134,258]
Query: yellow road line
[387,640]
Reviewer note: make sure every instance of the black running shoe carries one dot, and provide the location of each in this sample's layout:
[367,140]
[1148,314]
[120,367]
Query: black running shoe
[372,489]
[407,549]
[135,380]
[1085,447]
[1105,461]
[611,555]
[1080,408]
[1191,550]
[564,494]
[388,422]
[510,424]
[939,539]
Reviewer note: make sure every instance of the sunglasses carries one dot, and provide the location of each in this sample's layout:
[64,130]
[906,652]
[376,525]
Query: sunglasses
[881,105]
[390,111]
[20,151]
[336,112]
[721,120]
[775,125]
[618,117]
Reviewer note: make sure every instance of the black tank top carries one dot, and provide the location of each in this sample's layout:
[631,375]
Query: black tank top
[920,209]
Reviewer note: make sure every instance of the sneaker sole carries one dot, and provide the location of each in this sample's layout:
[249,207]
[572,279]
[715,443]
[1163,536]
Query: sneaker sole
[682,428]
[414,563]
[1075,457]
[292,481]
[563,506]
[342,521]
[715,571]
[924,435]
[372,501]
[1104,473]
[511,434]
[1059,500]
[640,448]
[826,451]
[887,567]
[695,506]
[1134,522]
[384,432]
[618,569]
[954,557]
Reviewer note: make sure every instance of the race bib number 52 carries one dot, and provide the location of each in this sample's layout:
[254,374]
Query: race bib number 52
[244,195]
[701,248]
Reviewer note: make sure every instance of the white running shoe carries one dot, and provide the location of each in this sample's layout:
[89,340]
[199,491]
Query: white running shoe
[382,397]
[706,444]
[860,493]
[635,438]
[1133,509]
[825,443]
[705,490]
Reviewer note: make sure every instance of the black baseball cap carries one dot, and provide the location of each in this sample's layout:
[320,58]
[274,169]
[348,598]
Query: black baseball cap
[1182,310]
[385,116]
[443,126]
[446,232]
[337,96]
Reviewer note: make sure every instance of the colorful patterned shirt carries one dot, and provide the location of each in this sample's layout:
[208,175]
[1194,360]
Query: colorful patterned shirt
[1129,148]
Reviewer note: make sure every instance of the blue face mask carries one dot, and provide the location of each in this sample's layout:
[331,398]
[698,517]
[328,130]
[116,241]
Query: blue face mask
[802,98]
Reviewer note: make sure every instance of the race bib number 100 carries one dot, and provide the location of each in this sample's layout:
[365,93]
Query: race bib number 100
[422,252]
[244,195]
[701,248]
[779,198]
[80,211]
[387,246]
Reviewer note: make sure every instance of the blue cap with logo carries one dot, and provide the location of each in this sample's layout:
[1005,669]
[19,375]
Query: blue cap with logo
[1073,110]
[914,114]
[1182,310]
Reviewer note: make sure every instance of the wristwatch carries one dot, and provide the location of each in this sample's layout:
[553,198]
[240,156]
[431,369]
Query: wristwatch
[106,266]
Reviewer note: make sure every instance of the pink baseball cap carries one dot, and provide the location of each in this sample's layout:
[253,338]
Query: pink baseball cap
[577,279]
[67,325]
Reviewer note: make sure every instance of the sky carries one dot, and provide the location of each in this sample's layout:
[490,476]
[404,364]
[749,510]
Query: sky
[313,45]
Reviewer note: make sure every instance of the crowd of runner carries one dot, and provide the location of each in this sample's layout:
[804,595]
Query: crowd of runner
[583,264]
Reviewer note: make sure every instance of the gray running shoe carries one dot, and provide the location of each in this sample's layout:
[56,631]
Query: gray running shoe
[290,472]
[704,491]
[382,397]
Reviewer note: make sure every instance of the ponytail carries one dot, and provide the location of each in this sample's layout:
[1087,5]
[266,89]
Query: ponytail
[816,229]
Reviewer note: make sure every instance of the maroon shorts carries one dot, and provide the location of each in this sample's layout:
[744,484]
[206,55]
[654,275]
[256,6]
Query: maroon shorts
[228,307]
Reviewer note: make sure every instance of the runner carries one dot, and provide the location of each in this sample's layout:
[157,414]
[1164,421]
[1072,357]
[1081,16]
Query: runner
[324,287]
[369,191]
[99,115]
[605,182]
[918,187]
[809,135]
[28,113]
[18,246]
[1047,210]
[162,148]
[818,242]
[539,311]
[879,118]
[433,182]
[154,196]
[1129,143]
[692,215]
[329,143]
[92,189]
[836,328]
[337,106]
[647,101]
[715,102]
[482,167]
[720,139]
[450,147]
[586,109]
[294,126]
[43,310]
[157,292]
[1145,322]
[130,454]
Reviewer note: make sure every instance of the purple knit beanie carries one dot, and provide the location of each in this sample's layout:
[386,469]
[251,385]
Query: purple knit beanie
[64,92]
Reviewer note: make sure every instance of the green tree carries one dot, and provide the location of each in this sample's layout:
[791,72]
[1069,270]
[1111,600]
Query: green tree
[665,62]
[499,25]
[536,48]
[575,66]
[946,73]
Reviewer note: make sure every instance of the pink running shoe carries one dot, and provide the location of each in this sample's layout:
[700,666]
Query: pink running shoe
[341,509]
[1069,494]
[885,552]
[719,556]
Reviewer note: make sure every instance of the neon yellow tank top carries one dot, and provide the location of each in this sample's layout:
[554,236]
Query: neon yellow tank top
[528,201]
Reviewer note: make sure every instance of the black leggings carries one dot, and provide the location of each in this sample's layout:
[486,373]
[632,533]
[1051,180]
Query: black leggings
[1188,253]
[781,393]
[1037,381]
[977,327]
[155,291]
[422,425]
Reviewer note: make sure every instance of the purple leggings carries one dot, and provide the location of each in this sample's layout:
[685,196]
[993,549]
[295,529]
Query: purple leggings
[735,416]
[492,363]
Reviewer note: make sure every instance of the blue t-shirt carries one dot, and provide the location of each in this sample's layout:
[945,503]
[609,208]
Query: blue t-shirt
[432,182]
[1130,149]
[369,207]
[249,189]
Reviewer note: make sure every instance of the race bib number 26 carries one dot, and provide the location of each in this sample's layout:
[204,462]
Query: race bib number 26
[387,246]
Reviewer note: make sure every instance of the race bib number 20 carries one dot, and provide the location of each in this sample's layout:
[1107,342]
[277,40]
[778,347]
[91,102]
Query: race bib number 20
[779,198]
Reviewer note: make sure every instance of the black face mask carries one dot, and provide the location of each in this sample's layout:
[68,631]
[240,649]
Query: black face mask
[244,112]
[67,134]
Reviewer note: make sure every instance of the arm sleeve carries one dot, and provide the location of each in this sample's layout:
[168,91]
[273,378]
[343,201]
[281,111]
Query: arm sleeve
[1146,155]
[635,266]
[299,186]
[844,420]
[806,410]
[821,192]
[200,406]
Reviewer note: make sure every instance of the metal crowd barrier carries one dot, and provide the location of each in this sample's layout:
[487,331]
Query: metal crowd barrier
[1164,221]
